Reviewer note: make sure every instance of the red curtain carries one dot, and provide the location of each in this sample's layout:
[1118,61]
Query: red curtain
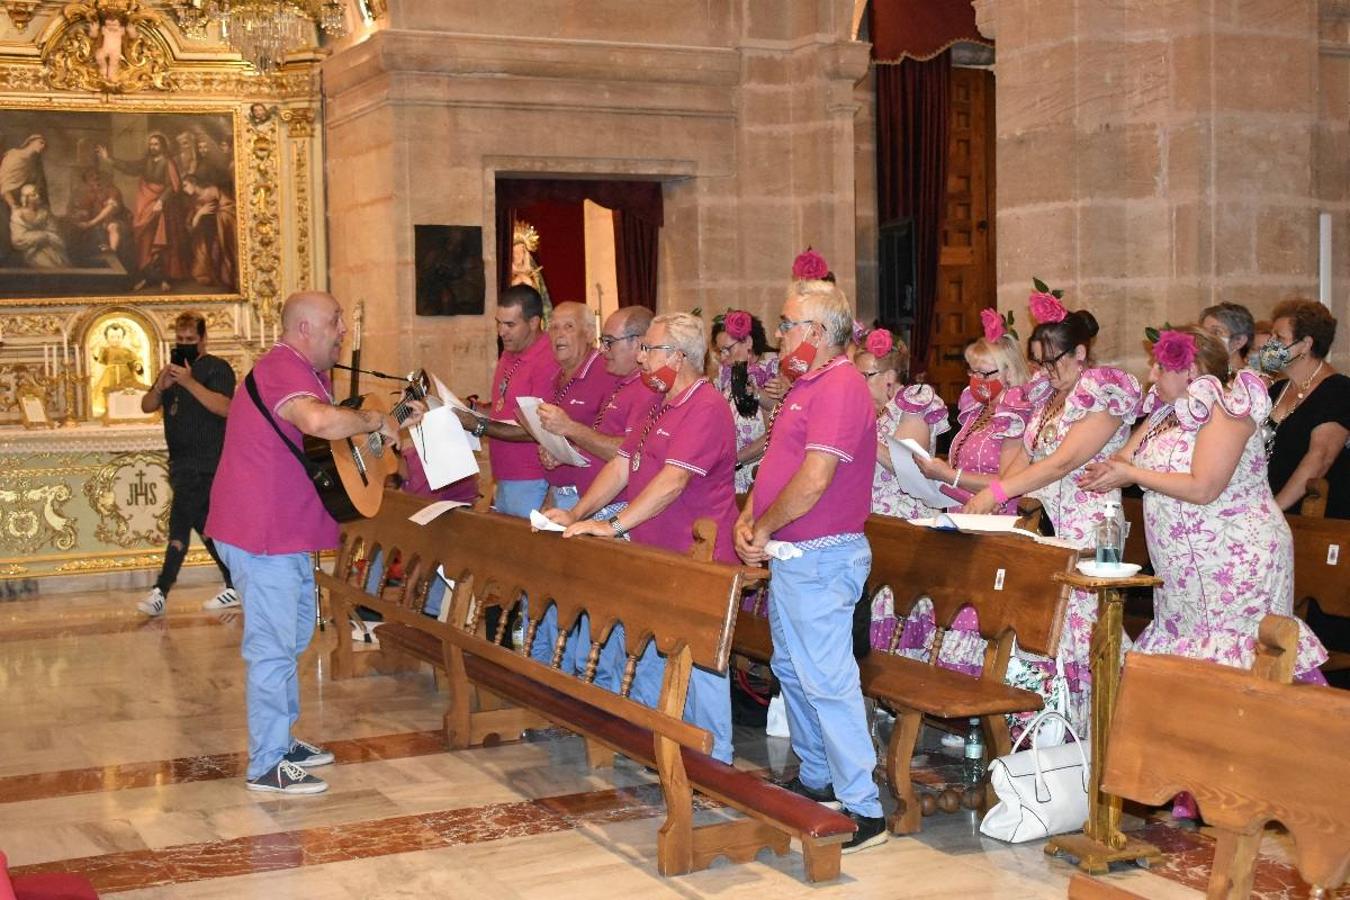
[635,256]
[912,109]
[635,200]
[920,29]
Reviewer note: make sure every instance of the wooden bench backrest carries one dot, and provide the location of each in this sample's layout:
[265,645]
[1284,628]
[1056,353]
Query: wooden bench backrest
[956,569]
[1313,575]
[674,599]
[1251,750]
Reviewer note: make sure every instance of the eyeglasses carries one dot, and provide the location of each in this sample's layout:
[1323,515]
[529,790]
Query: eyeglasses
[648,348]
[607,341]
[871,374]
[786,325]
[981,373]
[726,351]
[1048,364]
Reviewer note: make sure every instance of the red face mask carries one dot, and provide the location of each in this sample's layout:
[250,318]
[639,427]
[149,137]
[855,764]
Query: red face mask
[797,363]
[985,389]
[662,380]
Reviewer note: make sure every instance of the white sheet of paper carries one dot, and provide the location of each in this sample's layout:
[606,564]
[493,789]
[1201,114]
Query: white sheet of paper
[912,481]
[783,550]
[966,522]
[913,447]
[443,445]
[555,444]
[432,510]
[449,398]
[541,522]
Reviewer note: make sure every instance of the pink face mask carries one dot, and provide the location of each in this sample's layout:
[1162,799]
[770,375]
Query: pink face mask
[797,363]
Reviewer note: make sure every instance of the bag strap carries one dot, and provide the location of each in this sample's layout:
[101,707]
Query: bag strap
[1034,730]
[252,385]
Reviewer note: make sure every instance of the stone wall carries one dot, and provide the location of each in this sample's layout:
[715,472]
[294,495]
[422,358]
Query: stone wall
[1157,156]
[744,109]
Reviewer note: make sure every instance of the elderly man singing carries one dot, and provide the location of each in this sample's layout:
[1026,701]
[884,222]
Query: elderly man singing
[677,465]
[813,490]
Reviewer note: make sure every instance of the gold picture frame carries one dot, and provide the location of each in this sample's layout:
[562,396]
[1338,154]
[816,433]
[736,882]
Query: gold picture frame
[34,411]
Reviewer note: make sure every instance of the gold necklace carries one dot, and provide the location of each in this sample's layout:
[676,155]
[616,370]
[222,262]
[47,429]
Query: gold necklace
[1305,385]
[1052,412]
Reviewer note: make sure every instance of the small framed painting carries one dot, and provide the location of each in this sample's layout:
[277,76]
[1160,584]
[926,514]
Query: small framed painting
[33,412]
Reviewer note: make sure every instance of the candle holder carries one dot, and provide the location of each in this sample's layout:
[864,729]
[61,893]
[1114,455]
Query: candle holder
[67,379]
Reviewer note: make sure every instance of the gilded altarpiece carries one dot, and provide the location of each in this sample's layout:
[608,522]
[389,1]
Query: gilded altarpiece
[87,91]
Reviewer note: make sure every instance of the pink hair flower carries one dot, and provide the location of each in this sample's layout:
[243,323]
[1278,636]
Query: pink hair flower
[993,324]
[880,342]
[738,324]
[1175,351]
[1046,308]
[809,266]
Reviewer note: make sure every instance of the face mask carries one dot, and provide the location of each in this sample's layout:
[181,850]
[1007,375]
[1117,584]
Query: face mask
[662,380]
[1274,356]
[186,352]
[985,389]
[798,362]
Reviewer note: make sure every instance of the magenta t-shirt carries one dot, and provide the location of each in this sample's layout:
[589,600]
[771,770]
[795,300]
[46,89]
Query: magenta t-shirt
[695,432]
[528,373]
[829,409]
[465,490]
[581,397]
[262,500]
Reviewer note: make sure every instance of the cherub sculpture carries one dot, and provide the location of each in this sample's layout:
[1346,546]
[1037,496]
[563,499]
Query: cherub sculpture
[113,28]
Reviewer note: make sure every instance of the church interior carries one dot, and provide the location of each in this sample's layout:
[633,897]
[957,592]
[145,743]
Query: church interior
[1153,178]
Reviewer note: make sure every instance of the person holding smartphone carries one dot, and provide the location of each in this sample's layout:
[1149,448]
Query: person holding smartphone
[194,391]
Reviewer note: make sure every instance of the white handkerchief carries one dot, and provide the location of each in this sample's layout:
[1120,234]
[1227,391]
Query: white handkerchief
[432,510]
[783,550]
[541,522]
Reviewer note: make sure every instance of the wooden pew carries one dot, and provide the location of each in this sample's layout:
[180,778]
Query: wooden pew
[1322,572]
[1006,578]
[1314,504]
[1251,747]
[685,604]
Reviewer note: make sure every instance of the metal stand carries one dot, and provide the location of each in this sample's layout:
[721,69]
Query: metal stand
[1101,841]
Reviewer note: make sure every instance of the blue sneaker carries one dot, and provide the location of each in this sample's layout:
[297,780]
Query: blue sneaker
[308,756]
[287,778]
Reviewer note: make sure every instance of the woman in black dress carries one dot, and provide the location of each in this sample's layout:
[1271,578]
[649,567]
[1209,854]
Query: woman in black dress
[1310,413]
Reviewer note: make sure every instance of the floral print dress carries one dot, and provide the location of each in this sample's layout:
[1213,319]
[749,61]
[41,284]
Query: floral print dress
[1227,563]
[748,428]
[1075,514]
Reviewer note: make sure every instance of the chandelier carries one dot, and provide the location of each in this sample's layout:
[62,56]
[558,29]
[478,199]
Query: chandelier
[264,31]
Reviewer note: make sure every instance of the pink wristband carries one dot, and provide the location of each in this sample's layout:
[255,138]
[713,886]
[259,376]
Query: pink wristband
[996,488]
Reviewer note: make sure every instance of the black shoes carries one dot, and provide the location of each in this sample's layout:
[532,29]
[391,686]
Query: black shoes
[871,833]
[824,796]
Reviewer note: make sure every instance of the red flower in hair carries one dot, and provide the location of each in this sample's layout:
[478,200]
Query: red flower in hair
[993,324]
[809,266]
[1045,308]
[880,342]
[1175,351]
[738,324]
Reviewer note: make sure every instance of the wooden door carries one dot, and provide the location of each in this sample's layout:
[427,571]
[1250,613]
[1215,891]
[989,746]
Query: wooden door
[966,281]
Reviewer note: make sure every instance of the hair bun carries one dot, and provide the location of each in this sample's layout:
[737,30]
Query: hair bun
[1088,322]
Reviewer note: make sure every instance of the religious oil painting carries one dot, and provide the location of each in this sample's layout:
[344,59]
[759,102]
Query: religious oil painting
[120,360]
[125,204]
[450,279]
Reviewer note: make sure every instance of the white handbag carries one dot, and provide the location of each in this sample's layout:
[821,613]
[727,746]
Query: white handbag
[1041,791]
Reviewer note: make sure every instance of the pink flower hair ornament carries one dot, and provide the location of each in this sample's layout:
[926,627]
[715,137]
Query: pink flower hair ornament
[1175,351]
[1045,304]
[738,324]
[809,266]
[879,343]
[997,326]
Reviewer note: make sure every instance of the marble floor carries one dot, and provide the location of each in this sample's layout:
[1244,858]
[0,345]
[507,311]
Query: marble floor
[121,757]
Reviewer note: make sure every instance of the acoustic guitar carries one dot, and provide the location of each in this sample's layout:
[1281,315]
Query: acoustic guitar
[357,467]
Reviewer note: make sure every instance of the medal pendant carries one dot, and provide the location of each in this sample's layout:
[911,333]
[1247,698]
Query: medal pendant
[500,404]
[637,460]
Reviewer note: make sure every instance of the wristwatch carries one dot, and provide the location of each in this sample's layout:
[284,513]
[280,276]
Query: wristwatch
[481,427]
[619,530]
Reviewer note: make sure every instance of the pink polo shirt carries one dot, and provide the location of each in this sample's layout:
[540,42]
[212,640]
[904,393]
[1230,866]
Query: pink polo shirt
[829,409]
[695,432]
[262,500]
[581,397]
[626,409]
[528,373]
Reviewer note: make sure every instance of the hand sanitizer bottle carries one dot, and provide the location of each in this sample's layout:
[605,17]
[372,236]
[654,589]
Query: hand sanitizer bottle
[1107,535]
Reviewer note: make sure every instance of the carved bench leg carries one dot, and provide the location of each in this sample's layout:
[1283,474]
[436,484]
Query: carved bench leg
[598,756]
[821,859]
[908,817]
[675,840]
[1234,864]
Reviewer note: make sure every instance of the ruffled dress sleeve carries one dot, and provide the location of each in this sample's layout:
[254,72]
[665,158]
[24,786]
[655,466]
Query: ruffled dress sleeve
[765,370]
[1105,389]
[1010,418]
[921,400]
[1245,397]
[967,408]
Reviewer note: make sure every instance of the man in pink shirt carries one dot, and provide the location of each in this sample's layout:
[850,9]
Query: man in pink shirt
[526,369]
[266,519]
[814,490]
[582,386]
[677,465]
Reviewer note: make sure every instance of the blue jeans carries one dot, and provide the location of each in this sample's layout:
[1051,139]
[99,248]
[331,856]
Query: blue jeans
[609,670]
[435,592]
[517,498]
[278,601]
[707,705]
[546,635]
[811,601]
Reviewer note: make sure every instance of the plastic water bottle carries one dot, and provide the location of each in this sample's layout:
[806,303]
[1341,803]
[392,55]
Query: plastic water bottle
[518,634]
[1108,533]
[974,767]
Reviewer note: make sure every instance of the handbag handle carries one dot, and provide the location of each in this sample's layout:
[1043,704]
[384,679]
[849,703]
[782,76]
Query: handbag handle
[1034,730]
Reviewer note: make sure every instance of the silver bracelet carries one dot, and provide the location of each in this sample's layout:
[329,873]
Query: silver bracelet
[956,482]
